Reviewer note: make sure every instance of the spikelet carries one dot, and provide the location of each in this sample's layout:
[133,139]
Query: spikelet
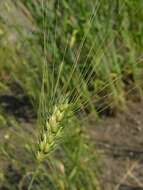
[51,132]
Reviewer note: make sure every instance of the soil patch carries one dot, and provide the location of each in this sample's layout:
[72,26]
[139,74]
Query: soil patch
[119,141]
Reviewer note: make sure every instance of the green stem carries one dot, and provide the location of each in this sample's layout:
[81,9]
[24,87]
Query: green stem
[33,178]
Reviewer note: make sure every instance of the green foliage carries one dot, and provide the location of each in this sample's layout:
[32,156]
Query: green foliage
[98,42]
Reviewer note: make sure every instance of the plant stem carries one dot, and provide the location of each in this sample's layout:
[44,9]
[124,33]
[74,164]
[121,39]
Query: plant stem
[33,178]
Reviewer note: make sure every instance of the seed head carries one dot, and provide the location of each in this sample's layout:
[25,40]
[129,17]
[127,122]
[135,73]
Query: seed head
[51,132]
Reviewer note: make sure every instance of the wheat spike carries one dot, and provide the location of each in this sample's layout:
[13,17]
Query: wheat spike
[51,132]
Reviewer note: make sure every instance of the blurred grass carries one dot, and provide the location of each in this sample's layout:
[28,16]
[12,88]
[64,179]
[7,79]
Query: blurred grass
[107,53]
[111,49]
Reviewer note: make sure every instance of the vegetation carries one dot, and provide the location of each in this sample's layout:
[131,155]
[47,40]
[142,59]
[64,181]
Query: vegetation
[61,62]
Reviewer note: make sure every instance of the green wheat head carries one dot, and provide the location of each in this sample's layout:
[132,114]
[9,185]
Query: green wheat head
[52,131]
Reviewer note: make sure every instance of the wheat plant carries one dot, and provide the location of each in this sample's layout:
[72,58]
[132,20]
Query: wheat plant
[84,47]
